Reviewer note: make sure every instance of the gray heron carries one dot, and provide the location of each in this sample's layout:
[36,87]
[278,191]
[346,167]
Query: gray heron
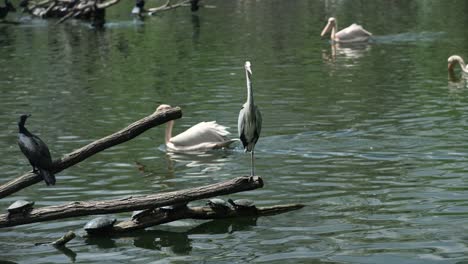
[249,123]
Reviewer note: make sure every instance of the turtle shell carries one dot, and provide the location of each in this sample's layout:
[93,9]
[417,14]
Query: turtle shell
[20,206]
[217,203]
[99,224]
[244,203]
[138,214]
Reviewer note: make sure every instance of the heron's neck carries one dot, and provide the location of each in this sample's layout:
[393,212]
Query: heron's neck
[250,99]
[169,126]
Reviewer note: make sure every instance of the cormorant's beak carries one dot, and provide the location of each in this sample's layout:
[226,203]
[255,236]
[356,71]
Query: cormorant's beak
[326,29]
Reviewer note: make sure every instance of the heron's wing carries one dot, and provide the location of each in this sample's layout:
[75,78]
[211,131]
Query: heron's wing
[353,33]
[258,121]
[249,126]
[202,132]
[241,125]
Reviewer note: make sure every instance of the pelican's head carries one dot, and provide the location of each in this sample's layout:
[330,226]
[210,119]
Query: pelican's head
[452,60]
[163,107]
[247,67]
[331,23]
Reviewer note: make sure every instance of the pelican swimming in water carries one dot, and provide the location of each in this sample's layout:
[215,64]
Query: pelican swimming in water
[249,123]
[452,60]
[353,33]
[201,137]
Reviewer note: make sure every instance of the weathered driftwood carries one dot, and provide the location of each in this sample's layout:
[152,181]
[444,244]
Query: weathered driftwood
[160,216]
[132,203]
[168,5]
[61,241]
[64,239]
[87,151]
[93,10]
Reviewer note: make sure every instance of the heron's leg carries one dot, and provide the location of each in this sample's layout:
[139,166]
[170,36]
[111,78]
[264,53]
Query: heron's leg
[252,172]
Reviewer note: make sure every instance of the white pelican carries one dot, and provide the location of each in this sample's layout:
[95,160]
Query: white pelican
[201,137]
[452,62]
[249,123]
[353,33]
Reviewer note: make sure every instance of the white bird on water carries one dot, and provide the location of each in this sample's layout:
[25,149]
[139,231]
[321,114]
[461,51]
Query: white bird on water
[353,33]
[201,137]
[453,60]
[249,124]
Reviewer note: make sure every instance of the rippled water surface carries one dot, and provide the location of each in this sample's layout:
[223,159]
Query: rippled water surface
[371,138]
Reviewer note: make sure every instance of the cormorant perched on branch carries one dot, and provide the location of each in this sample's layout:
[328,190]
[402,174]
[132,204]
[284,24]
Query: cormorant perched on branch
[36,151]
[5,9]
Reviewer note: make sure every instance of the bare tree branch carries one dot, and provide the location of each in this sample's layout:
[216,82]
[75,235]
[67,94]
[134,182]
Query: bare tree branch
[131,203]
[160,216]
[89,150]
[168,6]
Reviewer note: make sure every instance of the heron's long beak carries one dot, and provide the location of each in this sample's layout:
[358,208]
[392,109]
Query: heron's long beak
[327,28]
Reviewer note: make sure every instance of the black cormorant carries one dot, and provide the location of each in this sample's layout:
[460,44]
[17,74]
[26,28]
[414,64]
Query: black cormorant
[139,8]
[36,151]
[5,9]
[194,5]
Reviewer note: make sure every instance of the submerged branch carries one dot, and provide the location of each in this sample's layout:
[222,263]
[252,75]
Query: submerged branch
[64,239]
[132,203]
[68,160]
[160,216]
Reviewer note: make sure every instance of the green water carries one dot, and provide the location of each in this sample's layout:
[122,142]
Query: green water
[371,138]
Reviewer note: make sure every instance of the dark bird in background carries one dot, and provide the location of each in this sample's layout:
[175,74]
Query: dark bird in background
[24,3]
[139,8]
[249,123]
[194,5]
[4,10]
[36,151]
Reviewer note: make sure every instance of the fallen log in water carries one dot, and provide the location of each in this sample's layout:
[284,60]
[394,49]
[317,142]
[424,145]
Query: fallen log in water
[89,150]
[161,216]
[131,203]
[92,10]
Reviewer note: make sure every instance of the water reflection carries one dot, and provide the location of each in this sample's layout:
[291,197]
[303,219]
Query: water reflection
[177,242]
[350,51]
[181,243]
[7,262]
[457,81]
[67,252]
[195,27]
[222,226]
[100,241]
[200,162]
